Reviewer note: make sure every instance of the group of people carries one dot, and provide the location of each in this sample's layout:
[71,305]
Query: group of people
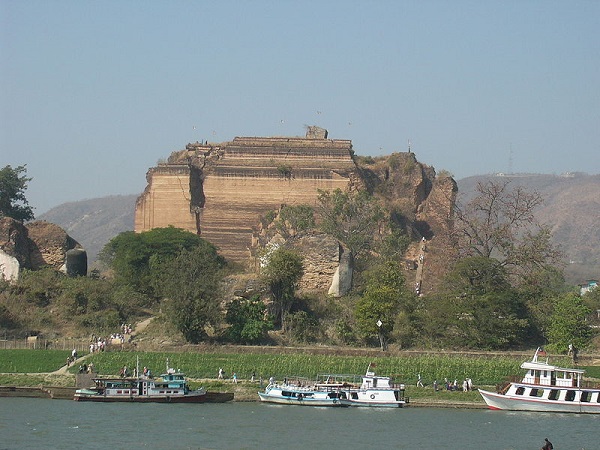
[97,344]
[84,368]
[234,377]
[467,384]
[125,372]
[221,375]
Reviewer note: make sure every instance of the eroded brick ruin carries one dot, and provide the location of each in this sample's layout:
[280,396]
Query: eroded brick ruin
[220,191]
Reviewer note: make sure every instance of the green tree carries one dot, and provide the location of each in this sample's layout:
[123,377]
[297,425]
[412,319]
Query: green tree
[538,292]
[13,184]
[190,283]
[248,321]
[476,276]
[478,308]
[384,300]
[493,321]
[351,217]
[282,274]
[375,313]
[591,299]
[295,218]
[568,323]
[135,258]
[393,245]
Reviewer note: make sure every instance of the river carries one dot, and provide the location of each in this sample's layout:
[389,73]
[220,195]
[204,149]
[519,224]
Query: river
[27,423]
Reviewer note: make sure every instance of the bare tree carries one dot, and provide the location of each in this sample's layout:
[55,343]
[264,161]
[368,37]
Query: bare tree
[499,223]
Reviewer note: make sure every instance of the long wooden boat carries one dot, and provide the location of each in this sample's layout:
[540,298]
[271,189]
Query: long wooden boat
[546,388]
[170,387]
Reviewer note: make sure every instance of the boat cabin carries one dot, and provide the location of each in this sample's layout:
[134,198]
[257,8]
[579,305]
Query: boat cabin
[545,374]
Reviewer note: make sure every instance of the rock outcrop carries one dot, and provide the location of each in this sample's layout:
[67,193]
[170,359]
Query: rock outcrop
[220,191]
[36,245]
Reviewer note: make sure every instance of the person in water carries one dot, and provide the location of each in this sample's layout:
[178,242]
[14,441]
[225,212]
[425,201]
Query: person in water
[547,445]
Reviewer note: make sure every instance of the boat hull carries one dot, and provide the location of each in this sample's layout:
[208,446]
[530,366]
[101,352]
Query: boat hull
[304,401]
[514,403]
[141,399]
[372,404]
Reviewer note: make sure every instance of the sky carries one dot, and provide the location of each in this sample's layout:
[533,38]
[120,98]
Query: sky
[94,93]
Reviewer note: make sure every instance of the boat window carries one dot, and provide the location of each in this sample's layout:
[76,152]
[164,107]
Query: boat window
[354,396]
[286,394]
[536,393]
[570,396]
[586,396]
[520,391]
[553,394]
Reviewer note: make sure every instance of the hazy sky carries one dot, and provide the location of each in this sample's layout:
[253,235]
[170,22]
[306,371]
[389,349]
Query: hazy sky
[93,93]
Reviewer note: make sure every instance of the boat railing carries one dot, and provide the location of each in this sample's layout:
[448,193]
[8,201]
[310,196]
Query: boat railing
[585,384]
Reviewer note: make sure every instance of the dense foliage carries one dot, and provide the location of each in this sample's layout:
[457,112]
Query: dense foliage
[136,258]
[248,320]
[190,283]
[384,298]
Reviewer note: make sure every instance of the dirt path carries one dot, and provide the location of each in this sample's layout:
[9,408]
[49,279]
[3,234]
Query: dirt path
[64,370]
[139,327]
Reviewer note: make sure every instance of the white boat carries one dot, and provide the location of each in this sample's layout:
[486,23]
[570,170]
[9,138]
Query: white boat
[546,388]
[375,391]
[300,392]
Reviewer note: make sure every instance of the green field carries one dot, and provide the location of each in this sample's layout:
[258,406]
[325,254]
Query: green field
[32,361]
[488,370]
[483,370]
[402,368]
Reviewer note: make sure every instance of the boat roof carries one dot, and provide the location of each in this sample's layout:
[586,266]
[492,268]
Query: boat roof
[534,364]
[529,365]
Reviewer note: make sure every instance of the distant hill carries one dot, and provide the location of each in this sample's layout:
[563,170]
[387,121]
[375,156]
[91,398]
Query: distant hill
[94,222]
[572,208]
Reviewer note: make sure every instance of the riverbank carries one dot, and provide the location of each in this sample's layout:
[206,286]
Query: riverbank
[245,391]
[63,393]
